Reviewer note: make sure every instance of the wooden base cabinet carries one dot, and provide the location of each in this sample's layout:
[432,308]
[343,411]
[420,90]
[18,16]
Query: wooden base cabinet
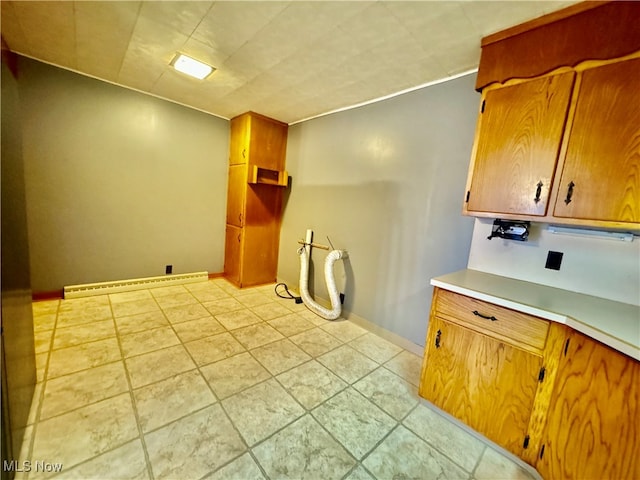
[484,382]
[562,402]
[593,422]
[254,199]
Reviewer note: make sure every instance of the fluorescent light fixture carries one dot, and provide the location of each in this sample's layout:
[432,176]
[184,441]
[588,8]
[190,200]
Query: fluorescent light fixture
[191,66]
[581,232]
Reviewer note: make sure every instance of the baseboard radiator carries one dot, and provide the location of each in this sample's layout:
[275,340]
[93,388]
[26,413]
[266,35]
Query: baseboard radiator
[90,289]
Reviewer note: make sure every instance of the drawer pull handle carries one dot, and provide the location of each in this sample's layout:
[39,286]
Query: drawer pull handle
[538,192]
[478,314]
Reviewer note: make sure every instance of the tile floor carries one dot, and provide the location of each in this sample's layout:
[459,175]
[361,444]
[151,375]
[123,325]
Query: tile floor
[208,381]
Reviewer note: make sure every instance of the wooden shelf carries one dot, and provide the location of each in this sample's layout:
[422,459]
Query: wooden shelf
[266,176]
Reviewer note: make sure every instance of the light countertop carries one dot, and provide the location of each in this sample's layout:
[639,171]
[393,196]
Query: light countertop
[613,323]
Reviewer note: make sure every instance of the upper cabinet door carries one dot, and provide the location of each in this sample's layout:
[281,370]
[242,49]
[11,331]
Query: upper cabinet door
[239,140]
[601,174]
[518,143]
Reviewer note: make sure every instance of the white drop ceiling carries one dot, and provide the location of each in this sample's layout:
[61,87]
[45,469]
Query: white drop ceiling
[289,60]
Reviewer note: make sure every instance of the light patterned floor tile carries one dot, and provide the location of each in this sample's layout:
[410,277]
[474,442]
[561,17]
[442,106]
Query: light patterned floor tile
[158,365]
[97,428]
[148,341]
[261,410]
[354,421]
[407,365]
[209,294]
[303,450]
[177,300]
[418,459]
[347,363]
[124,463]
[75,316]
[42,340]
[165,401]
[359,473]
[343,329]
[80,357]
[257,335]
[45,307]
[134,307]
[214,348]
[448,438]
[280,356]
[79,389]
[141,322]
[243,468]
[168,291]
[316,341]
[253,299]
[87,332]
[494,466]
[43,322]
[270,310]
[291,324]
[238,319]
[199,435]
[196,329]
[311,383]
[232,375]
[375,347]
[185,313]
[131,296]
[225,305]
[388,391]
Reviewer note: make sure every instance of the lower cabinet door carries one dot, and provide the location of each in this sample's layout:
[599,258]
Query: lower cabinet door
[233,254]
[485,383]
[593,426]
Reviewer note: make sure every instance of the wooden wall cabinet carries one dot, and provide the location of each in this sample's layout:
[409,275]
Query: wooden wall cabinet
[562,402]
[257,177]
[557,139]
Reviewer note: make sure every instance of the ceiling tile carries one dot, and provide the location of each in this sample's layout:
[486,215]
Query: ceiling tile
[229,25]
[49,30]
[182,16]
[291,59]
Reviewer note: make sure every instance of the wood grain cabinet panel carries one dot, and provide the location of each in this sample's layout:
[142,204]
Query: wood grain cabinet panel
[236,195]
[593,424]
[520,131]
[486,383]
[601,174]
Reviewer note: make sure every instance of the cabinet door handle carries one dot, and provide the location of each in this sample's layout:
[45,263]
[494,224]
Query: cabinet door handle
[569,193]
[438,334]
[240,218]
[478,314]
[538,192]
[239,237]
[244,153]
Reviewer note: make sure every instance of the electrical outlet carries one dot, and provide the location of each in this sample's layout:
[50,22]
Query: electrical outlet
[554,260]
[168,269]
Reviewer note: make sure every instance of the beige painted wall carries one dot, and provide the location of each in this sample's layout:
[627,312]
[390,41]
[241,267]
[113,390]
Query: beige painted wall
[385,182]
[118,183]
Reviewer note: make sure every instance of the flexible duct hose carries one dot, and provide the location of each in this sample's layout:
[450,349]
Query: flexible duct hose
[336,306]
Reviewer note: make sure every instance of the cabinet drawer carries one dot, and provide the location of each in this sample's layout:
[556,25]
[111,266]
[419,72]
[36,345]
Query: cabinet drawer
[498,322]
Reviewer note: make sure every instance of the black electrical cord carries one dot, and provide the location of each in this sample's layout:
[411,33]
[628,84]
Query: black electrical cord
[289,296]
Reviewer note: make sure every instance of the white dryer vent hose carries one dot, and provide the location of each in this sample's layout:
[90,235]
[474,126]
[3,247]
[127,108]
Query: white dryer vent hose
[336,305]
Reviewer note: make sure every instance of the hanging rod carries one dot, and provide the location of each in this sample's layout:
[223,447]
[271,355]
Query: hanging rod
[315,245]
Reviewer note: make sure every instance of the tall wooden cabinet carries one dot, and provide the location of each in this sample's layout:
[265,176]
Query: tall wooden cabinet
[257,178]
[558,130]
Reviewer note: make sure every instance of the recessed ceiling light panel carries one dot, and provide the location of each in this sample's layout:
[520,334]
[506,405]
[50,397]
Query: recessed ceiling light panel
[191,66]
